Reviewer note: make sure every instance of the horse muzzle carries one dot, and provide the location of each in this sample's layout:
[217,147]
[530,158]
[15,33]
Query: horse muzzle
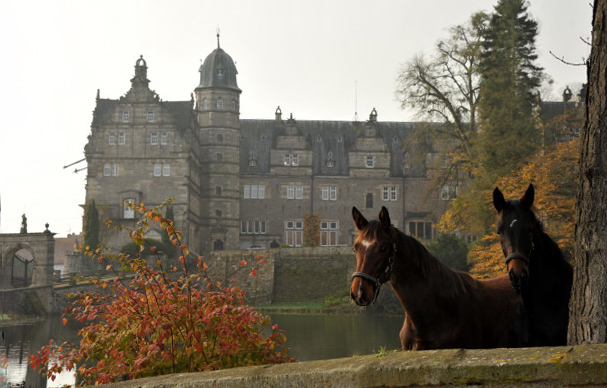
[518,270]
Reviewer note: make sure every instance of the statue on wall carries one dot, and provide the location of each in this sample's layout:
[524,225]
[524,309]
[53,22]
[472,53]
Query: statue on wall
[23,224]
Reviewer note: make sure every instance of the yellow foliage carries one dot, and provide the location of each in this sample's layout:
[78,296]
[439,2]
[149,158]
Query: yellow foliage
[554,176]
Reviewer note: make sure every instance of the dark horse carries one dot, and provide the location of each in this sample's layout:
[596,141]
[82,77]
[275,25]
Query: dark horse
[537,269]
[444,308]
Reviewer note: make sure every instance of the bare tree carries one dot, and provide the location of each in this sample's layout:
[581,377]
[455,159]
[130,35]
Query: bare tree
[588,305]
[445,87]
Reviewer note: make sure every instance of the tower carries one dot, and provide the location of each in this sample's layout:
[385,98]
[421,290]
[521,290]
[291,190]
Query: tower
[217,112]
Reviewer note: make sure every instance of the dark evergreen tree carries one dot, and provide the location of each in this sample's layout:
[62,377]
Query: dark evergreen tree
[510,79]
[91,226]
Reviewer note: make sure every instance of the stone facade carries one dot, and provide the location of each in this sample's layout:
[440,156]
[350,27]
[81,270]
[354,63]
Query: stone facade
[241,184]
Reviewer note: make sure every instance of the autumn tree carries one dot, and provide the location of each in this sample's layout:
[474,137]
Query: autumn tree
[554,176]
[445,86]
[160,320]
[311,230]
[588,304]
[91,226]
[508,91]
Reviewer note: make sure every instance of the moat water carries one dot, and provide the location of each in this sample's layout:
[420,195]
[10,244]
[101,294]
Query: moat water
[309,337]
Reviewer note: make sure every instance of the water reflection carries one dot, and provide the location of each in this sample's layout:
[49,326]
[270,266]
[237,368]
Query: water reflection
[22,340]
[317,337]
[310,337]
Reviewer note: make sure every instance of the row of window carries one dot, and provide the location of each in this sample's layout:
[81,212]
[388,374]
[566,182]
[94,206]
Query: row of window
[293,160]
[126,116]
[156,138]
[293,230]
[160,169]
[328,193]
[219,104]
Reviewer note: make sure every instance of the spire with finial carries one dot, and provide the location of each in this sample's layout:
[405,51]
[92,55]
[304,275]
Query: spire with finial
[218,38]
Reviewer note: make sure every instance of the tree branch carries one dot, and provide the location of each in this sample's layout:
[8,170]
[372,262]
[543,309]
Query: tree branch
[567,62]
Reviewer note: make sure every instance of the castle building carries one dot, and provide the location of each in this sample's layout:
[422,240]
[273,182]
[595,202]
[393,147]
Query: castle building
[248,183]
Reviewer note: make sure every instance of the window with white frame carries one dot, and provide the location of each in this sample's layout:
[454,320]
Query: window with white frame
[421,229]
[150,116]
[294,233]
[122,138]
[294,192]
[389,193]
[234,105]
[157,169]
[164,138]
[166,169]
[111,139]
[255,191]
[126,116]
[154,138]
[448,192]
[220,103]
[328,233]
[370,161]
[115,169]
[253,227]
[107,169]
[128,208]
[291,160]
[329,193]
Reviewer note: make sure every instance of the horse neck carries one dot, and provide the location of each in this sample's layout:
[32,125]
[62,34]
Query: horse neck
[419,279]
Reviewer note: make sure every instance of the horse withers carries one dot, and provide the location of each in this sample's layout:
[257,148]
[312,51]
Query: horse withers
[537,268]
[444,308]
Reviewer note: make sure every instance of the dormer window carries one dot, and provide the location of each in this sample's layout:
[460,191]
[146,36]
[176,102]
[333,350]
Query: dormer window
[370,161]
[291,160]
[219,72]
[330,160]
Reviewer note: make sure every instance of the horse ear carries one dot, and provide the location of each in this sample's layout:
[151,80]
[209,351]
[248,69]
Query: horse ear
[384,219]
[359,220]
[498,200]
[527,199]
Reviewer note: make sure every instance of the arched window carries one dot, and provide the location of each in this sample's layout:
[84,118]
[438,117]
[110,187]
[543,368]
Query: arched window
[369,201]
[129,210]
[218,245]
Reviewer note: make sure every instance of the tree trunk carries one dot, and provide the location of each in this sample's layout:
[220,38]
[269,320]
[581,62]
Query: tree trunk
[588,305]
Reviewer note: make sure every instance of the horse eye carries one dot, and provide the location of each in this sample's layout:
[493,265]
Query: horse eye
[382,248]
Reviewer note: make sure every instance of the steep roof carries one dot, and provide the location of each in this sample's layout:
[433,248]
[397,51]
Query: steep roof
[218,71]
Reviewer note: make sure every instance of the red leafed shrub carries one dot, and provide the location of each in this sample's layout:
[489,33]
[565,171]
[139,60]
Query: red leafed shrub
[157,323]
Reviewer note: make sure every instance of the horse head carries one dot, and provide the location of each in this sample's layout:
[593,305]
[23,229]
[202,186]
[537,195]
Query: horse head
[375,247]
[515,225]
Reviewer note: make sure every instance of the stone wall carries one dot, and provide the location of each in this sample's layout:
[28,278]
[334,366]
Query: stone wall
[310,274]
[30,302]
[286,274]
[504,368]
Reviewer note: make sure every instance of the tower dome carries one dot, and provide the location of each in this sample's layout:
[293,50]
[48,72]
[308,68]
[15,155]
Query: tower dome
[218,71]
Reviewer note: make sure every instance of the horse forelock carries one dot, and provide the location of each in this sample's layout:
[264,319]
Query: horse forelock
[514,205]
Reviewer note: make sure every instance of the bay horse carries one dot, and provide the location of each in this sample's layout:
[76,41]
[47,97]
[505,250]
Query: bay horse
[537,269]
[444,308]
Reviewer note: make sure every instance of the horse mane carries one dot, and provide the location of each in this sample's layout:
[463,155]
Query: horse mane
[446,281]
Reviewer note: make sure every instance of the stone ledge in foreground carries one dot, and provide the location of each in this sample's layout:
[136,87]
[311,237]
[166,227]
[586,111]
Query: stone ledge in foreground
[567,366]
